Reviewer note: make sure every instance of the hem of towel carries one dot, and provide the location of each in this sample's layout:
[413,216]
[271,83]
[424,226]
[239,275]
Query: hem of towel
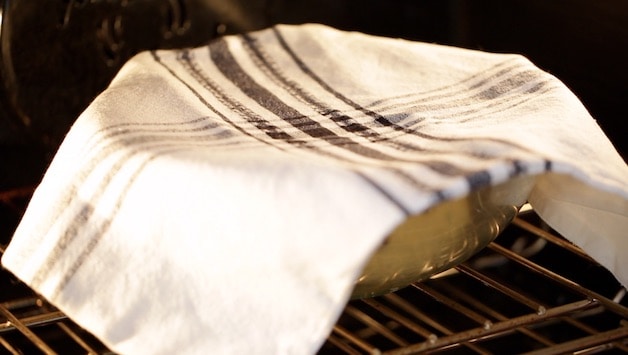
[589,217]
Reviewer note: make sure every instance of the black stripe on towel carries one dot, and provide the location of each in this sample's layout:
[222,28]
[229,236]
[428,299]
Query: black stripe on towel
[103,227]
[261,124]
[266,64]
[100,154]
[226,63]
[474,179]
[346,122]
[474,81]
[506,89]
[382,120]
[343,120]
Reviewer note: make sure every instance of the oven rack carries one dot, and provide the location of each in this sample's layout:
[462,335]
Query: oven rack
[530,291]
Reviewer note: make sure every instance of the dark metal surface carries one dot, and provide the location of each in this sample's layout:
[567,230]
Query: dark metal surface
[57,55]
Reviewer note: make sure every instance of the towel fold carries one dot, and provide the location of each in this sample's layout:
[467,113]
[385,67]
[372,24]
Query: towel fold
[225,198]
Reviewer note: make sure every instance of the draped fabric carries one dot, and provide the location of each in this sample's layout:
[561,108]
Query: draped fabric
[225,198]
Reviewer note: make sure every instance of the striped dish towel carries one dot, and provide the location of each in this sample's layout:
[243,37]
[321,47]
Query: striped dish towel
[224,199]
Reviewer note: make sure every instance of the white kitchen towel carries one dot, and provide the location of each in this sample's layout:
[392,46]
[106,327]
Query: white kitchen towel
[223,199]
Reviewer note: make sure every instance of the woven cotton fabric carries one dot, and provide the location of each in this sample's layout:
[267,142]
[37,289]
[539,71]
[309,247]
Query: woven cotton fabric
[225,198]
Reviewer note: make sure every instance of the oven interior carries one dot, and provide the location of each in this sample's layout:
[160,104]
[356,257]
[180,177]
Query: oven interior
[530,291]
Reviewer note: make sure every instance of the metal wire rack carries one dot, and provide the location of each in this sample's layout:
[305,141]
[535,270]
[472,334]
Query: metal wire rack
[529,292]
